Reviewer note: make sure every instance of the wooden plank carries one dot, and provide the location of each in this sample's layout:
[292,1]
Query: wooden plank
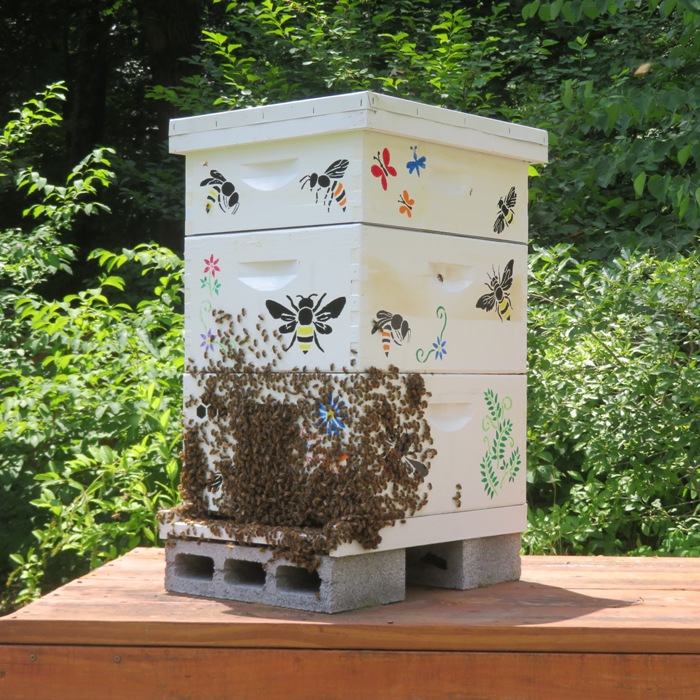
[615,605]
[83,673]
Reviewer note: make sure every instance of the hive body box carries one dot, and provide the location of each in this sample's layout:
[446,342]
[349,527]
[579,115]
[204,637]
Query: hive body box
[357,232]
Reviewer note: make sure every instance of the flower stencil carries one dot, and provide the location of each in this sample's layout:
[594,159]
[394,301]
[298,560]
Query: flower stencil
[439,347]
[211,265]
[212,285]
[208,340]
[331,415]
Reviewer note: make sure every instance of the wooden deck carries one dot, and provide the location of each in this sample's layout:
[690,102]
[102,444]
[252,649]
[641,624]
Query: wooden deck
[588,627]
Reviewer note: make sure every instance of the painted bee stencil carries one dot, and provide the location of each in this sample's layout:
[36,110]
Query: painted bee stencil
[393,327]
[330,182]
[222,192]
[399,450]
[306,321]
[498,295]
[505,211]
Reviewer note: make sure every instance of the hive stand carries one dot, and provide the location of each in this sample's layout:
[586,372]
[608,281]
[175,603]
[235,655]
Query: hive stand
[252,573]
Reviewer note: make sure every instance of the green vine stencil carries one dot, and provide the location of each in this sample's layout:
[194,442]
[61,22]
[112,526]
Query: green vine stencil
[502,460]
[440,345]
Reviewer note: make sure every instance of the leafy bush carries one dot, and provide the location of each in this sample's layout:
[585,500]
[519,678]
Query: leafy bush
[90,387]
[614,404]
[614,82]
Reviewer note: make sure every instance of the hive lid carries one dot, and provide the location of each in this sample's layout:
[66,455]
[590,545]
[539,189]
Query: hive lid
[356,111]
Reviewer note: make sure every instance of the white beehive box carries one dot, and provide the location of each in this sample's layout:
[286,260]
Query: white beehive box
[367,232]
[422,302]
[472,489]
[360,157]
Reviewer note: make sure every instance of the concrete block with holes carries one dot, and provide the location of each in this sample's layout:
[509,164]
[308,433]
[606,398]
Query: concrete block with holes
[251,574]
[465,564]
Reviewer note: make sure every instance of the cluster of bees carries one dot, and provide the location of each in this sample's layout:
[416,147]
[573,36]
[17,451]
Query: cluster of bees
[457,498]
[302,459]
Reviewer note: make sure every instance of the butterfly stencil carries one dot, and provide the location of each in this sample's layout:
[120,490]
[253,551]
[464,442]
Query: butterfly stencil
[382,169]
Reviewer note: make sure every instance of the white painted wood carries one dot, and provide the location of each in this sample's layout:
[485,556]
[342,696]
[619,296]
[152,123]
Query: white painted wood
[360,110]
[446,527]
[420,530]
[463,429]
[445,171]
[400,231]
[432,282]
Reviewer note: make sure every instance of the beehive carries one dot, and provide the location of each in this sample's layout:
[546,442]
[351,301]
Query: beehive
[355,290]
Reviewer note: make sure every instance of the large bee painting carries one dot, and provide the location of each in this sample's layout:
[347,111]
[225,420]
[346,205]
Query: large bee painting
[222,193]
[505,211]
[498,295]
[329,183]
[306,320]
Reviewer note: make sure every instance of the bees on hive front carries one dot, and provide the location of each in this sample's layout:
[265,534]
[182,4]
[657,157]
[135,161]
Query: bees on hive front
[261,427]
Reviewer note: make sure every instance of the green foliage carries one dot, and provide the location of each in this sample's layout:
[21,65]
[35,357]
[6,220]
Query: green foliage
[90,390]
[614,406]
[273,51]
[616,83]
[33,114]
[621,105]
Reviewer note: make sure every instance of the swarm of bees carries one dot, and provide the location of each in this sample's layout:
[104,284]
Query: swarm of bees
[262,457]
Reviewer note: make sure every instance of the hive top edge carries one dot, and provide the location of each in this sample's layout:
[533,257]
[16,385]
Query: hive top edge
[350,112]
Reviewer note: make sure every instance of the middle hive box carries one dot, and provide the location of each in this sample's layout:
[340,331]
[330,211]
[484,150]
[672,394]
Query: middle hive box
[354,296]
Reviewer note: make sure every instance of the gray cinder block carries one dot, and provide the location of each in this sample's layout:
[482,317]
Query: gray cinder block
[465,563]
[249,573]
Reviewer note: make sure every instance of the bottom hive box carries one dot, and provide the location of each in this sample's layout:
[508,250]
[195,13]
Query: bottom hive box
[342,464]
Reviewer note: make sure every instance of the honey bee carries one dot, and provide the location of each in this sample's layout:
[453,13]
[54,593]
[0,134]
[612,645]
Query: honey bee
[306,320]
[222,193]
[330,182]
[505,211]
[393,327]
[499,295]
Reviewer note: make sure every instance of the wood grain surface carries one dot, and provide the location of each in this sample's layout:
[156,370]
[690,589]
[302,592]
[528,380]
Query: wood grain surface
[571,627]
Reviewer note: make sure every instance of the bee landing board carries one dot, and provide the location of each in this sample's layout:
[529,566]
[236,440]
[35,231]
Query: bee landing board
[356,296]
[360,157]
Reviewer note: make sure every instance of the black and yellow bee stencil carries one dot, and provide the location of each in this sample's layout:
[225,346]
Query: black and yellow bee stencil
[505,211]
[498,295]
[222,193]
[305,321]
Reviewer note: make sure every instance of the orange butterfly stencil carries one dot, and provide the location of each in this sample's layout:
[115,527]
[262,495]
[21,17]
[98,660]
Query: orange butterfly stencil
[406,204]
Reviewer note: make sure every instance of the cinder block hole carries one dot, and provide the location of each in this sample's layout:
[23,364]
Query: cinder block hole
[297,579]
[244,573]
[431,559]
[194,566]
